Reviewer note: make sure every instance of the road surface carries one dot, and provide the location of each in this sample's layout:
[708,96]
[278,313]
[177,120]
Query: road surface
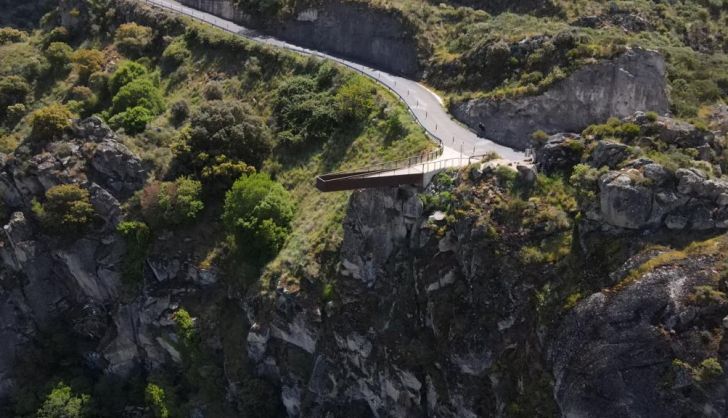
[425,105]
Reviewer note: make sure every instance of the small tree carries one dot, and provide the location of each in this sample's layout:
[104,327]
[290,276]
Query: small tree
[87,62]
[259,212]
[133,39]
[49,122]
[67,209]
[62,403]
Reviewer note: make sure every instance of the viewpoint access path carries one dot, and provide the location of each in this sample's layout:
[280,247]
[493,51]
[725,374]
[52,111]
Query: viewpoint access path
[424,104]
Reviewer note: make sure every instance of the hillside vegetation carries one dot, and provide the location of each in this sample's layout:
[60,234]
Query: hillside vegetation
[231,135]
[497,49]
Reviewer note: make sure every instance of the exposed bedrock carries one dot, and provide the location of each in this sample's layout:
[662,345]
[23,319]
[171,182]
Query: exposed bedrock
[634,81]
[355,31]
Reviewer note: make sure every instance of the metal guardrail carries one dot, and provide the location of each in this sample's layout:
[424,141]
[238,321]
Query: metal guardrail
[388,178]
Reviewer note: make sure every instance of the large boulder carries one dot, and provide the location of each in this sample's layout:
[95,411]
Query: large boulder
[609,153]
[560,153]
[624,201]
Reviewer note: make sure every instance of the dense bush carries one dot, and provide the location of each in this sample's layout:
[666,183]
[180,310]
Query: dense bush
[62,403]
[67,209]
[228,129]
[13,89]
[14,113]
[59,56]
[133,39]
[124,74]
[139,92]
[156,400]
[87,62]
[179,112]
[165,204]
[49,122]
[355,99]
[174,55]
[258,211]
[133,120]
[213,91]
[11,35]
[302,113]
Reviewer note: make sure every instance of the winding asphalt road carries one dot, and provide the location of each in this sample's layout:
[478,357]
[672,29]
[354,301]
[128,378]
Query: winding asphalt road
[425,105]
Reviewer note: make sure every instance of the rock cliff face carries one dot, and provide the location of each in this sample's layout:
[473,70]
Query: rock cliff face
[350,30]
[634,81]
[435,316]
[73,286]
[419,327]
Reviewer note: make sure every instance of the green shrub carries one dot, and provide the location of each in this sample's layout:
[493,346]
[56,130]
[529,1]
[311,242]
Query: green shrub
[124,74]
[49,123]
[156,400]
[302,113]
[585,180]
[185,325]
[82,94]
[213,91]
[141,92]
[11,35]
[174,55]
[355,99]
[99,83]
[171,203]
[67,209]
[652,116]
[540,136]
[258,211]
[58,55]
[179,112]
[229,129]
[221,174]
[62,403]
[133,120]
[710,369]
[393,127]
[137,237]
[133,39]
[87,62]
[14,113]
[13,90]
